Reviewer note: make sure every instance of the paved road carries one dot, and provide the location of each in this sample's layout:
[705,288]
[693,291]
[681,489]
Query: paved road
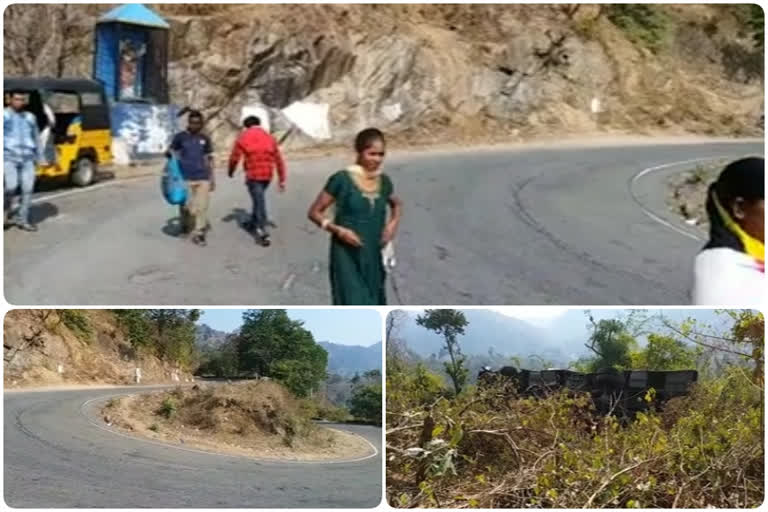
[536,226]
[54,457]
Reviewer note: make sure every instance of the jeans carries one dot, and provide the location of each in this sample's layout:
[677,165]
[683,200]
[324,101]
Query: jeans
[257,189]
[19,174]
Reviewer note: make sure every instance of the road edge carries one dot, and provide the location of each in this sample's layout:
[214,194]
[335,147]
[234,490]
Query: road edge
[666,219]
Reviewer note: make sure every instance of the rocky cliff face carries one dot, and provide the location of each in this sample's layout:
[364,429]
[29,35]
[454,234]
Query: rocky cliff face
[436,72]
[40,349]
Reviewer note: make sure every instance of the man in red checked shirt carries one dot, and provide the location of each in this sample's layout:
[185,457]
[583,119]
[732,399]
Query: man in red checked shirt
[261,155]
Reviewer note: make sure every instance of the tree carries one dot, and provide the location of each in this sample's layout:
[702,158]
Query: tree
[611,342]
[166,319]
[396,349]
[166,333]
[270,344]
[137,327]
[449,323]
[175,334]
[222,361]
[745,342]
[301,376]
[366,403]
[665,352]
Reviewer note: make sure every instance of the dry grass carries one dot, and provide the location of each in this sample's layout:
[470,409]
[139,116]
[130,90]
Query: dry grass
[492,450]
[260,419]
[101,356]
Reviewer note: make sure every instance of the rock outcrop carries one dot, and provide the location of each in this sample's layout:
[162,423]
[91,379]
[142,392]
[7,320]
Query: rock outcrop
[39,349]
[434,72]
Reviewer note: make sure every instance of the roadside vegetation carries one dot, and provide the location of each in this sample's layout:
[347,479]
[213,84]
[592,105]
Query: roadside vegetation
[273,346]
[168,334]
[488,448]
[256,418]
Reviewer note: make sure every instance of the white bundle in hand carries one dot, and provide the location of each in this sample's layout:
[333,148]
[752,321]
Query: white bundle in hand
[388,257]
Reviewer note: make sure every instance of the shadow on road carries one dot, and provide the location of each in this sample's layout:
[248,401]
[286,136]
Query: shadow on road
[40,212]
[173,227]
[240,217]
[102,176]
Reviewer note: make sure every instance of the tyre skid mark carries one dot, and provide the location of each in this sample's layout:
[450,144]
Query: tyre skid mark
[521,211]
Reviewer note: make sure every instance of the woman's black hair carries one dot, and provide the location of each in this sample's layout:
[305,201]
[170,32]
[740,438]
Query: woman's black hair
[367,137]
[744,179]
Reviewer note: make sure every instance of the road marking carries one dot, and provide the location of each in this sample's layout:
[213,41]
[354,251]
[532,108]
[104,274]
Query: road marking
[289,281]
[652,215]
[203,452]
[76,191]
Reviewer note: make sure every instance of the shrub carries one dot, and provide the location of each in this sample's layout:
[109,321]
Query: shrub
[77,322]
[490,449]
[335,414]
[136,326]
[168,408]
[643,24]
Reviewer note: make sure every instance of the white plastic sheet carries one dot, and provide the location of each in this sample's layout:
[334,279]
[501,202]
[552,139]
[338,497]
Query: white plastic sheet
[310,118]
[392,112]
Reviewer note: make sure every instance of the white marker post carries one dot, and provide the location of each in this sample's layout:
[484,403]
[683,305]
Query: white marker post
[138,375]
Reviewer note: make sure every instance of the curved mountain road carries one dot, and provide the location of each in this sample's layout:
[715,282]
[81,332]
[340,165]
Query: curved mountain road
[536,225]
[55,457]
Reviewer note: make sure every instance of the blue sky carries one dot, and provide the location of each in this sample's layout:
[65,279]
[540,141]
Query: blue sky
[344,326]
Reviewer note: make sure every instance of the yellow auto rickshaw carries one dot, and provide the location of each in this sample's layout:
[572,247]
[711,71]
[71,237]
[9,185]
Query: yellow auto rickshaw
[75,113]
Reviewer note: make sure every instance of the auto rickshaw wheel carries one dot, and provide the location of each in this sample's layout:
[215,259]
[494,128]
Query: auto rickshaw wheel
[84,171]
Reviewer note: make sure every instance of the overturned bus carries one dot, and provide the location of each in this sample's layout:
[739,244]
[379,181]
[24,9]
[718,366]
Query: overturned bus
[612,390]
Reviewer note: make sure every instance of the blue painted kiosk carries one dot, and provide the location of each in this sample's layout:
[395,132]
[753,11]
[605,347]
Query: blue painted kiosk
[131,61]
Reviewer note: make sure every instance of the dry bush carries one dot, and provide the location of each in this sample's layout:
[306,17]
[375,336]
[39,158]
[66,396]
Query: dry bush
[483,450]
[264,407]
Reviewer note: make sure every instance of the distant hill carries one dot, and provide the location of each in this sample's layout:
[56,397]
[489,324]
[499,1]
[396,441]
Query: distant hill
[492,337]
[346,360]
[492,334]
[208,338]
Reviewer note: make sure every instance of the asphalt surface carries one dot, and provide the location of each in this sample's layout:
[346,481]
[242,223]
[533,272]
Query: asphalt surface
[56,458]
[544,225]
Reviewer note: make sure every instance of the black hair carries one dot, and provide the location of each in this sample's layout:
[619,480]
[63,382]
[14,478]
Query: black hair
[252,121]
[744,179]
[195,114]
[367,137]
[14,92]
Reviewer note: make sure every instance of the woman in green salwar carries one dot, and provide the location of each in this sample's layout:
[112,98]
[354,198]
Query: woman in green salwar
[362,194]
